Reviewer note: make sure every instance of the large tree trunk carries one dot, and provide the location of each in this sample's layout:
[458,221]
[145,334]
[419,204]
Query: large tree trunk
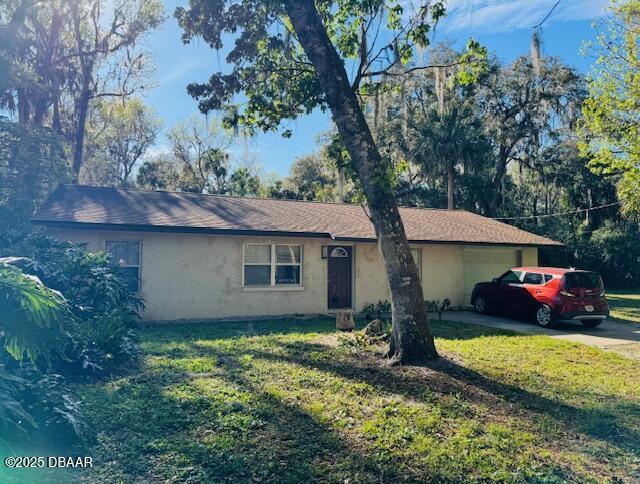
[78,142]
[496,192]
[450,183]
[411,341]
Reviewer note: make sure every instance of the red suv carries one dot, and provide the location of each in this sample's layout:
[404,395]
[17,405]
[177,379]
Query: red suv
[548,294]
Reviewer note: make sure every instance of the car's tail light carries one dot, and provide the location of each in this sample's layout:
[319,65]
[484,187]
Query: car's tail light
[567,293]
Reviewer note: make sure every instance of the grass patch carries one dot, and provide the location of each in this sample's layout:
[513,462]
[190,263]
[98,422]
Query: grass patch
[283,402]
[625,305]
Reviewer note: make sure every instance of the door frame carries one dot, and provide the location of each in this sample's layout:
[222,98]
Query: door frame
[352,246]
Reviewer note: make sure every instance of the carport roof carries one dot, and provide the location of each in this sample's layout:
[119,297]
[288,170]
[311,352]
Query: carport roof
[77,206]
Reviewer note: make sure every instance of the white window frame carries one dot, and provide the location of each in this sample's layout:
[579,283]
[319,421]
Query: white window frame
[274,264]
[139,266]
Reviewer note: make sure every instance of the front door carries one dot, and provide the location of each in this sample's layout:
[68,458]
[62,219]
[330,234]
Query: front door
[339,276]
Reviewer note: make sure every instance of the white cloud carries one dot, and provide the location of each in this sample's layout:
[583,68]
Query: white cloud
[494,16]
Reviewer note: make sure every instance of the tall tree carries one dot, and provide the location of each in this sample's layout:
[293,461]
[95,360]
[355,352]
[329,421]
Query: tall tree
[411,339]
[243,183]
[435,129]
[120,138]
[65,54]
[288,58]
[200,146]
[108,49]
[32,164]
[611,123]
[314,178]
[159,172]
[523,107]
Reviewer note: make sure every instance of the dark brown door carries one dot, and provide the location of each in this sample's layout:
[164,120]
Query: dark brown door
[339,273]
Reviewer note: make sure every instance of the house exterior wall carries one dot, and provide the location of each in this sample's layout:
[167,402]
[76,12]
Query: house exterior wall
[199,276]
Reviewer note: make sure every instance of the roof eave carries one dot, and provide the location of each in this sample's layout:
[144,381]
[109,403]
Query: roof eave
[277,233]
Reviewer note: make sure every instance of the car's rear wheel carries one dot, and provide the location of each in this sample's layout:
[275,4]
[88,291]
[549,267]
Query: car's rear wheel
[544,316]
[480,305]
[591,323]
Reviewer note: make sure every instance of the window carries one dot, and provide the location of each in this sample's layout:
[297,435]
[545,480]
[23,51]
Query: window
[288,264]
[257,265]
[582,280]
[339,252]
[510,277]
[126,254]
[268,265]
[532,278]
[547,278]
[417,257]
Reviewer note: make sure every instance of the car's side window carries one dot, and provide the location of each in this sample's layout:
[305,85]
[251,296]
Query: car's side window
[533,278]
[510,277]
[547,278]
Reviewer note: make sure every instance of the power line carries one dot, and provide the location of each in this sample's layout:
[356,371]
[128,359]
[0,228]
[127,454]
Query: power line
[548,15]
[559,214]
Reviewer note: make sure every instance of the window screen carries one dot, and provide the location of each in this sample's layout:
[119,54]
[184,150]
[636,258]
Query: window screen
[272,264]
[288,264]
[257,265]
[126,254]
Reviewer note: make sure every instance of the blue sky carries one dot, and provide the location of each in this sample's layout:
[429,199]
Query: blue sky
[504,26]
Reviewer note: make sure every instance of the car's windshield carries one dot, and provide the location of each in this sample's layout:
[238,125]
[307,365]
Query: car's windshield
[510,277]
[584,280]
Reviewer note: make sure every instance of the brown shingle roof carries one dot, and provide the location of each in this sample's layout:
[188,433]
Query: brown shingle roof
[74,205]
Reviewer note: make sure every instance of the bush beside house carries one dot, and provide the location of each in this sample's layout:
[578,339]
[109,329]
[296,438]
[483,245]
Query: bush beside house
[68,315]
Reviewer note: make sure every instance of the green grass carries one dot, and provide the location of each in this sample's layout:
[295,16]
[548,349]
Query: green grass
[625,305]
[287,402]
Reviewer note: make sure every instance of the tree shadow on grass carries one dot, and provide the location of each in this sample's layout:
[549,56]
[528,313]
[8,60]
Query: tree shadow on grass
[177,340]
[249,435]
[224,425]
[596,422]
[214,330]
[447,377]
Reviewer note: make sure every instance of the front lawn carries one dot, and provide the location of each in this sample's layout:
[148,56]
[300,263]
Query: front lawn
[291,401]
[625,305]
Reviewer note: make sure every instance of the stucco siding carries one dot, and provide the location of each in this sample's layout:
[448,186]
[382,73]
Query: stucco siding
[196,276]
[443,273]
[530,256]
[370,277]
[199,276]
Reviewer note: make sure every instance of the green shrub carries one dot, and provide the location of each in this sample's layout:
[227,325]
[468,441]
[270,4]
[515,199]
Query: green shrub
[32,335]
[14,418]
[66,313]
[42,408]
[90,283]
[33,317]
[106,343]
[104,310]
[377,311]
[432,306]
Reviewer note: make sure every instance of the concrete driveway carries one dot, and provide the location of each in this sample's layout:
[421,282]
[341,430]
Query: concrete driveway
[623,338]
